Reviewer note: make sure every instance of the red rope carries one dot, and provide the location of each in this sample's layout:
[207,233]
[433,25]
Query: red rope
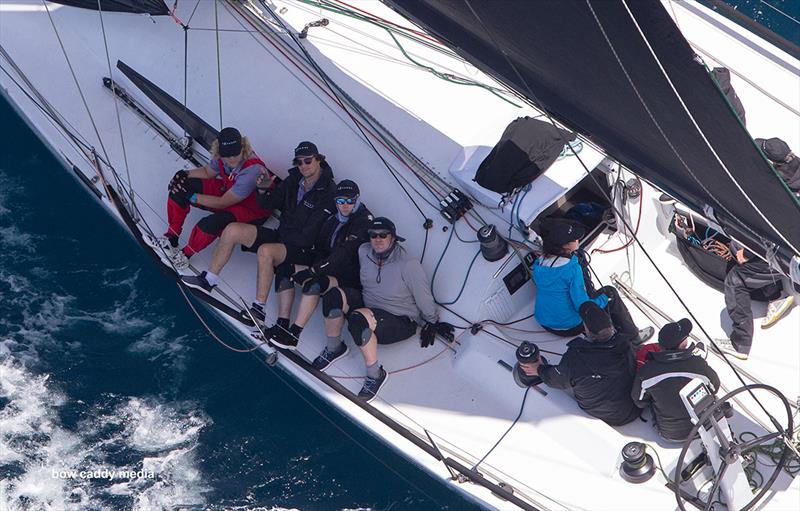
[419,364]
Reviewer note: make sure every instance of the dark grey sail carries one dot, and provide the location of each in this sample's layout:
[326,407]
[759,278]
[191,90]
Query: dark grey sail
[622,74]
[153,7]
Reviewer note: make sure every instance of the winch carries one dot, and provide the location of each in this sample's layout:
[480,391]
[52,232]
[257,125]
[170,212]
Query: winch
[527,353]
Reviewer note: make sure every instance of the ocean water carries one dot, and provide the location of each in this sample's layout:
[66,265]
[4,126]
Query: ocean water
[112,396]
[780,16]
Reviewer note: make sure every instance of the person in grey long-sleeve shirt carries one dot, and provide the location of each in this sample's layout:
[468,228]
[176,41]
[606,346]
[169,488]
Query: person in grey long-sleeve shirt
[396,283]
[396,297]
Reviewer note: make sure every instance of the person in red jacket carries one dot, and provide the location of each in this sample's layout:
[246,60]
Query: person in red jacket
[226,187]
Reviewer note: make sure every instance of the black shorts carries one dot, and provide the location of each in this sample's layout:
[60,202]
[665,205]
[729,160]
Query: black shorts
[263,235]
[294,255]
[353,297]
[391,328]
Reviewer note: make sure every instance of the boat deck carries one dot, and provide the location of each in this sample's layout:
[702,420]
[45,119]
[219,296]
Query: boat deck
[555,457]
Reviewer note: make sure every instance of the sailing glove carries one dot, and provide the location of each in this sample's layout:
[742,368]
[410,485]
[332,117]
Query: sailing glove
[177,182]
[430,330]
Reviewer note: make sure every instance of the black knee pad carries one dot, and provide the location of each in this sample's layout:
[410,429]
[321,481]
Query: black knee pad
[216,222]
[316,285]
[359,328]
[283,277]
[332,303]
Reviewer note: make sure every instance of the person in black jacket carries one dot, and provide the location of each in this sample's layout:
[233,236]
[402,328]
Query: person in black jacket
[664,374]
[334,273]
[598,367]
[305,200]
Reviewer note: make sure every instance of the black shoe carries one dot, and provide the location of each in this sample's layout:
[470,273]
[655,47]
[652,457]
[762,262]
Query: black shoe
[372,386]
[327,358]
[199,282]
[258,312]
[643,336]
[270,332]
[283,338]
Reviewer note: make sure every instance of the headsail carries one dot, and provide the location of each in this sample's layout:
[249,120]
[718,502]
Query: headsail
[621,73]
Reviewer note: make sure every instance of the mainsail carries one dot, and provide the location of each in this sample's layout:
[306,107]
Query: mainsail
[152,7]
[622,74]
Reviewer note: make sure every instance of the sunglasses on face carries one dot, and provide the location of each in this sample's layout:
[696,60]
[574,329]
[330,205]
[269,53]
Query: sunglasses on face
[304,161]
[341,200]
[382,235]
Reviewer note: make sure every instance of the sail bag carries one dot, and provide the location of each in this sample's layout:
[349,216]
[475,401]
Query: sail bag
[527,148]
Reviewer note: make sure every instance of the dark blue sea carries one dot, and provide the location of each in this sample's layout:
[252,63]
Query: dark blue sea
[112,396]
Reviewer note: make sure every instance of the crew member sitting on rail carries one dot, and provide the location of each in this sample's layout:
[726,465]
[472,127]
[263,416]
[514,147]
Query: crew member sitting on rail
[664,374]
[396,295]
[750,278]
[334,274]
[305,200]
[226,186]
[598,368]
[563,284]
[785,162]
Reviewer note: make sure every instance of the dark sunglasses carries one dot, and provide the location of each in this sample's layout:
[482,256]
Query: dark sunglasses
[305,161]
[341,200]
[379,234]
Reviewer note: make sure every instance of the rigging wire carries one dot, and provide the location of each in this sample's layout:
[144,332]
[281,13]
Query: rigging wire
[694,123]
[306,400]
[116,109]
[638,242]
[75,79]
[219,70]
[326,80]
[444,76]
[608,41]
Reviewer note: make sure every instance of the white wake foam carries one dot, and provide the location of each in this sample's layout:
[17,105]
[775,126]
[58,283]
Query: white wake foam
[33,445]
[48,466]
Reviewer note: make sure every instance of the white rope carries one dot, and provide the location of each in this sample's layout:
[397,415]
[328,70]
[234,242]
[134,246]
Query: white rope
[75,79]
[697,127]
[219,71]
[116,109]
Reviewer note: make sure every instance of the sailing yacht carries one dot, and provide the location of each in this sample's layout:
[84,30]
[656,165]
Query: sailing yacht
[407,98]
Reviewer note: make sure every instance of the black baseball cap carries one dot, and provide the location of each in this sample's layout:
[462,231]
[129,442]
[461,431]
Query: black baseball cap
[559,231]
[230,142]
[383,224]
[594,317]
[305,148]
[774,148]
[673,334]
[347,188]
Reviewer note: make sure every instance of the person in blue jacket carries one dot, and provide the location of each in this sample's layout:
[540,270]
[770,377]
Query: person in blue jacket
[563,284]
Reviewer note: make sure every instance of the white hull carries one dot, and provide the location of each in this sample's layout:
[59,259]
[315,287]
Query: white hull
[555,457]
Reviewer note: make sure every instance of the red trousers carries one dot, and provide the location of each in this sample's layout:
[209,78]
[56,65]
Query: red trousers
[210,227]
